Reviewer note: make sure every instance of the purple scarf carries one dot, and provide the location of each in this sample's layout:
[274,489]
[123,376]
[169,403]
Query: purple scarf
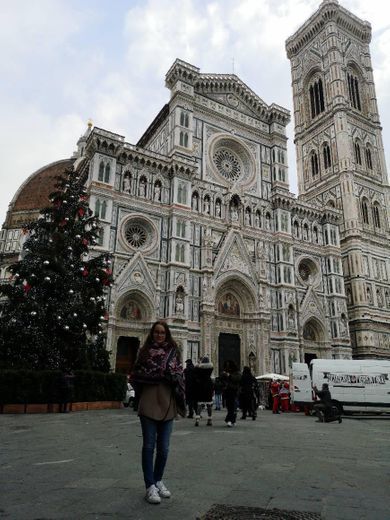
[153,368]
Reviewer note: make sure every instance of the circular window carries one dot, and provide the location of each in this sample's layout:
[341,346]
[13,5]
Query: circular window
[228,164]
[307,270]
[231,160]
[139,233]
[136,235]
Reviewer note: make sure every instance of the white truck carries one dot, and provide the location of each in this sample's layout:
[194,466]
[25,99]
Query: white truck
[355,385]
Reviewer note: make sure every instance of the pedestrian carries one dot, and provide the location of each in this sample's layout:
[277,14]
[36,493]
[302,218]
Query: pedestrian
[284,395]
[275,388]
[231,381]
[247,393]
[218,393]
[66,384]
[203,389]
[324,405]
[158,376]
[189,387]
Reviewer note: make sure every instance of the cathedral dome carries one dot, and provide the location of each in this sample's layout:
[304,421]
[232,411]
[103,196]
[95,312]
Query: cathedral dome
[33,194]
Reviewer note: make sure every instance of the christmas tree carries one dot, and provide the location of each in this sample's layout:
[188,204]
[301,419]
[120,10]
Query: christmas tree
[53,309]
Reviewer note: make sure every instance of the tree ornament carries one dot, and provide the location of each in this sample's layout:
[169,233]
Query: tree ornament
[102,318]
[64,201]
[46,262]
[59,318]
[66,327]
[92,299]
[70,248]
[33,313]
[81,212]
[67,219]
[75,315]
[78,236]
[71,291]
[97,279]
[85,326]
[47,278]
[16,275]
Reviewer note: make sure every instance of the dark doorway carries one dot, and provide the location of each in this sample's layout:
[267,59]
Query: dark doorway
[126,353]
[309,357]
[228,349]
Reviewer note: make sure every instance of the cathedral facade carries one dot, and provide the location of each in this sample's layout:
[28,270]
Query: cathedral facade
[205,233]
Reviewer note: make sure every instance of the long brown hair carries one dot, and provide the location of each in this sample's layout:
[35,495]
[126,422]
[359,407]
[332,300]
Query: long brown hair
[149,342]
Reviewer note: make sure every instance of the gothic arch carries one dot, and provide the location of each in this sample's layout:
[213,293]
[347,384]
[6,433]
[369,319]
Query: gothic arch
[134,306]
[239,286]
[313,331]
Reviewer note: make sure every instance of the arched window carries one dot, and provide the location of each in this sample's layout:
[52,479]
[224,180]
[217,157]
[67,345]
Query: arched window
[184,139]
[305,232]
[358,155]
[368,157]
[184,119]
[375,216]
[101,171]
[365,211]
[100,208]
[353,91]
[315,234]
[327,156]
[296,229]
[314,164]
[316,92]
[107,173]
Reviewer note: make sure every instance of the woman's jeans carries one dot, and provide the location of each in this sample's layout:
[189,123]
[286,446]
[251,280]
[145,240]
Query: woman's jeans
[231,408]
[154,433]
[218,401]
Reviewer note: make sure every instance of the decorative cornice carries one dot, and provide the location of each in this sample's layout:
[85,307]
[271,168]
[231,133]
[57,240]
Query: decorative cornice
[329,11]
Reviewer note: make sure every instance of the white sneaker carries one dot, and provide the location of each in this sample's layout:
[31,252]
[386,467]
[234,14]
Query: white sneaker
[162,490]
[152,496]
[229,424]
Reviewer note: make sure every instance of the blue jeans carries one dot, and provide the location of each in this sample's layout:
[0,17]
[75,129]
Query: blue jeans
[154,433]
[218,401]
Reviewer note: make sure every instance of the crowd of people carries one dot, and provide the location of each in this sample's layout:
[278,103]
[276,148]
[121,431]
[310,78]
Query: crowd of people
[163,390]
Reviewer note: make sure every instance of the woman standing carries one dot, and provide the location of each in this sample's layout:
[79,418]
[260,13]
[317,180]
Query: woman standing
[248,398]
[158,375]
[231,380]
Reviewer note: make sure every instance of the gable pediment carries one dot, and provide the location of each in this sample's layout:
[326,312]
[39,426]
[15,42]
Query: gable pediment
[135,275]
[234,257]
[311,306]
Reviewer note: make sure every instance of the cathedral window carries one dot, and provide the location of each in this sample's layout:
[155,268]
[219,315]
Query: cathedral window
[184,119]
[365,211]
[184,139]
[287,274]
[314,164]
[375,216]
[315,234]
[316,92]
[327,156]
[358,155]
[100,208]
[182,193]
[296,229]
[305,232]
[353,91]
[180,253]
[107,172]
[100,237]
[368,158]
[101,171]
[180,228]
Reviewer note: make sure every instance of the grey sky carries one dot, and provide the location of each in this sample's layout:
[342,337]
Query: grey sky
[64,61]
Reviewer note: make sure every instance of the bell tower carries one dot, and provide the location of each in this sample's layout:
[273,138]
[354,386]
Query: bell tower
[341,163]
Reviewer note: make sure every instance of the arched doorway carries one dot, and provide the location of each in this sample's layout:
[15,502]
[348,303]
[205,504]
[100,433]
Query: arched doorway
[126,353]
[228,349]
[313,340]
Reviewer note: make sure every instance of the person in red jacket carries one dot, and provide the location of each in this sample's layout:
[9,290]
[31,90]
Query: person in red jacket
[284,394]
[275,388]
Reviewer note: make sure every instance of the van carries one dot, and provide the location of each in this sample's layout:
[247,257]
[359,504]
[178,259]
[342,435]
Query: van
[355,385]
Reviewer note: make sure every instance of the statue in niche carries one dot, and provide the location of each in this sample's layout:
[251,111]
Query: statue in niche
[207,206]
[157,192]
[218,209]
[179,306]
[247,218]
[194,202]
[126,186]
[234,214]
[291,318]
[142,187]
[257,220]
[343,325]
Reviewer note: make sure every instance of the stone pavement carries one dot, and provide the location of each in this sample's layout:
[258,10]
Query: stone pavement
[86,465]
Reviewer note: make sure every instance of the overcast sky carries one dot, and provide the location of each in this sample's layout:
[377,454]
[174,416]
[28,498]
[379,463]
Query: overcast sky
[64,61]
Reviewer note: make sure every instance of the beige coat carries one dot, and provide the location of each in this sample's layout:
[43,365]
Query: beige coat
[157,402]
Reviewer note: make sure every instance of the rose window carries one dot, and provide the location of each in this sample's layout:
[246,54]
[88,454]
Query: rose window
[135,235]
[227,164]
[138,232]
[308,271]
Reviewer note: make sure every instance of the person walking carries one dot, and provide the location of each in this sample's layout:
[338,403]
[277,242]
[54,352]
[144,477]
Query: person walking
[248,401]
[231,381]
[189,387]
[218,393]
[66,391]
[203,389]
[275,388]
[158,376]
